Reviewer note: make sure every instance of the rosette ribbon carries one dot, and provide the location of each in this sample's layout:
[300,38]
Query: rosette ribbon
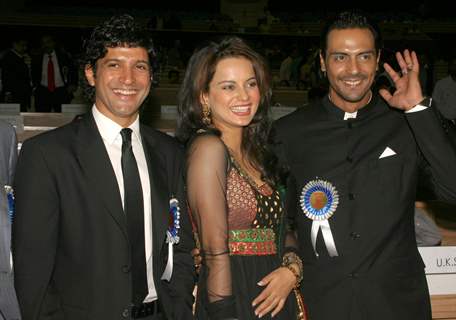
[172,236]
[10,201]
[319,200]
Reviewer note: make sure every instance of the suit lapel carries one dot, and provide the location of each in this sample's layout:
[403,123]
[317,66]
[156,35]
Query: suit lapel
[95,162]
[158,190]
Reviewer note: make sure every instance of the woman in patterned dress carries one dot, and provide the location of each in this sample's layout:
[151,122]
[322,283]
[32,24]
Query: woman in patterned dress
[249,267]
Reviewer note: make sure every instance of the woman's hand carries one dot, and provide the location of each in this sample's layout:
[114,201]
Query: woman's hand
[279,284]
[197,259]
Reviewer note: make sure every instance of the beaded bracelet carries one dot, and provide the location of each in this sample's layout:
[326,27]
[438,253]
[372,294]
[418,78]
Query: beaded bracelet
[288,259]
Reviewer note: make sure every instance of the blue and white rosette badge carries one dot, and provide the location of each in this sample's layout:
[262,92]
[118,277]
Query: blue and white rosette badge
[319,200]
[172,236]
[10,201]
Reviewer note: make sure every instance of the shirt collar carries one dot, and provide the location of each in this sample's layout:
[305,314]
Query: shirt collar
[110,130]
[350,115]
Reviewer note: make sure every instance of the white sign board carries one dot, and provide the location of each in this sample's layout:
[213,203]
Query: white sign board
[439,259]
[440,269]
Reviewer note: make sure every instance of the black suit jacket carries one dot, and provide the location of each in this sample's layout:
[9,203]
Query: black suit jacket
[70,243]
[378,273]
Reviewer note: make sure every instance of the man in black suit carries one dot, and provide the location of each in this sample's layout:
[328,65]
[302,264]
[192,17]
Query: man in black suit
[98,232]
[15,67]
[54,76]
[354,159]
[9,309]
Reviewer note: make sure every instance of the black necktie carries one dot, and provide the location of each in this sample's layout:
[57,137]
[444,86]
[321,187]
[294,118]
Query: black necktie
[134,211]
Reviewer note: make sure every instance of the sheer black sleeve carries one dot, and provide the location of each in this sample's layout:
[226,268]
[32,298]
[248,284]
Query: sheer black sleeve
[207,167]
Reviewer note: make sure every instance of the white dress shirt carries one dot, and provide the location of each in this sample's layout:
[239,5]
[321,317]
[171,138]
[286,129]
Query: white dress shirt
[110,133]
[57,74]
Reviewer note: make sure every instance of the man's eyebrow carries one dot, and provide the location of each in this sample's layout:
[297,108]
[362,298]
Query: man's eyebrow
[120,60]
[112,60]
[143,61]
[367,51]
[346,54]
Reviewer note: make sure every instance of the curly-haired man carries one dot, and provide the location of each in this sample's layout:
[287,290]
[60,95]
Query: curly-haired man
[92,236]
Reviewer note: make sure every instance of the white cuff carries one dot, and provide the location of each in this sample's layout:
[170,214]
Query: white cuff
[420,106]
[416,108]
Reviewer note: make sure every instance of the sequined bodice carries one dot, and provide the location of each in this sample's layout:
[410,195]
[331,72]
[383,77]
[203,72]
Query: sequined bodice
[251,207]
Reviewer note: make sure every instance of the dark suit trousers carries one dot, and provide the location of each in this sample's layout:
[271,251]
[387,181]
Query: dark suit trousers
[46,101]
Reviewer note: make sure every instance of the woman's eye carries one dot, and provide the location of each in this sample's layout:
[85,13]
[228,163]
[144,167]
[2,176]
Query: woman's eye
[228,87]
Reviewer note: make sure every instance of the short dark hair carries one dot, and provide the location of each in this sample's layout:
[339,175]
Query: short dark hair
[117,31]
[353,19]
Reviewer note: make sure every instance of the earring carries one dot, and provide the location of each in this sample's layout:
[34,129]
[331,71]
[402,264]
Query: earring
[206,115]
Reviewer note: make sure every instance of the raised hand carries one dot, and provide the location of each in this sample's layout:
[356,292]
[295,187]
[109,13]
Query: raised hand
[408,89]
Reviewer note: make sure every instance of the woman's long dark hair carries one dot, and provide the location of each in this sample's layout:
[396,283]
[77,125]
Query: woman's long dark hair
[199,73]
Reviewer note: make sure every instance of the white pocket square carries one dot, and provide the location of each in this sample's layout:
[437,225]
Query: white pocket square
[388,152]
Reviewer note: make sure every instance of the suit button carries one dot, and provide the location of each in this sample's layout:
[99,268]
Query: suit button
[126,268]
[353,275]
[349,159]
[126,313]
[355,235]
[351,196]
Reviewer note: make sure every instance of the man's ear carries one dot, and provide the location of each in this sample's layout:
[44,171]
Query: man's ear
[322,62]
[89,74]
[378,58]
